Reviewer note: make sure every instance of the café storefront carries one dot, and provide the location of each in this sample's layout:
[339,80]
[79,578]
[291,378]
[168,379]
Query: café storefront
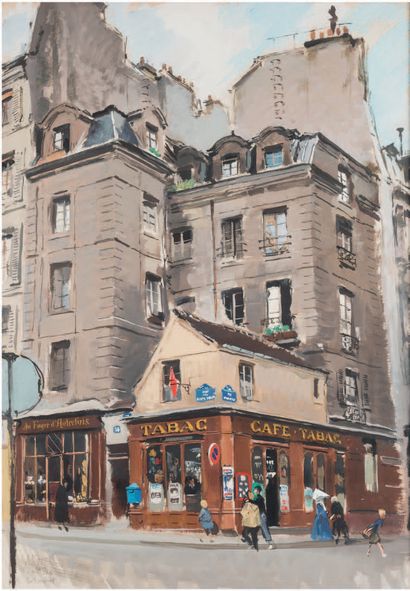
[220,454]
[50,449]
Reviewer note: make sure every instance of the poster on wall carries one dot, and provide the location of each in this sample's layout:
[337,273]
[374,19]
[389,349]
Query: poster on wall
[175,499]
[227,483]
[308,495]
[205,393]
[284,498]
[242,484]
[155,496]
[257,469]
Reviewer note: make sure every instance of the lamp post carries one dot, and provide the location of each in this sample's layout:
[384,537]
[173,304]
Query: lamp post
[22,388]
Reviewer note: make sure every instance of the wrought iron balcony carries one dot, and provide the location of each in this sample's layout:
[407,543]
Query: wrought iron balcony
[346,258]
[350,344]
[275,246]
[355,414]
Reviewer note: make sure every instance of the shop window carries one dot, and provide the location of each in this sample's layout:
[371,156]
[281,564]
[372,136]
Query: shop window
[275,232]
[174,488]
[61,214]
[34,470]
[345,180]
[230,166]
[171,381]
[150,215]
[60,286]
[232,241]
[308,481]
[340,478]
[60,365]
[284,469]
[153,297]
[246,384]
[321,470]
[181,244]
[370,467]
[234,305]
[193,477]
[273,157]
[61,138]
[279,301]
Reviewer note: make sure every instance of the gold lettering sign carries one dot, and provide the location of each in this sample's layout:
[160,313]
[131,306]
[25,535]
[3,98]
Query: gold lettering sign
[53,424]
[278,430]
[174,427]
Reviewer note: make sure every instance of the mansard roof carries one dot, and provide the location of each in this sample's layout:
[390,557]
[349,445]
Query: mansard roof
[110,124]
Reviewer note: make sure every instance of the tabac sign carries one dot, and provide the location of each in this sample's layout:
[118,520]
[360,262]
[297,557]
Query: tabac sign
[59,424]
[174,427]
[291,432]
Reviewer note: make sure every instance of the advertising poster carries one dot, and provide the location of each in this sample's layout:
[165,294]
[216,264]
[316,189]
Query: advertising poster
[284,498]
[242,484]
[308,494]
[175,500]
[156,496]
[257,469]
[227,483]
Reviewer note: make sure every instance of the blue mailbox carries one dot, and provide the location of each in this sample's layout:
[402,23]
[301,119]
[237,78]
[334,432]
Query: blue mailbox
[134,494]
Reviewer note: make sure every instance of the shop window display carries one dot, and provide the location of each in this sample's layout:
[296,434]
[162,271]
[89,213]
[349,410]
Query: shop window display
[308,481]
[51,458]
[340,479]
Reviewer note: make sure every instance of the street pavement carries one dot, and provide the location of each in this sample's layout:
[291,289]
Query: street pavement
[122,558]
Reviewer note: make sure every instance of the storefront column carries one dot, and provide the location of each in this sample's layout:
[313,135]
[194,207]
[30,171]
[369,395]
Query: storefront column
[227,459]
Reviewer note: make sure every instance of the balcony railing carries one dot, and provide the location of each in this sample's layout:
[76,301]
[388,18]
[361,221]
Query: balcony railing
[350,344]
[275,246]
[355,414]
[346,258]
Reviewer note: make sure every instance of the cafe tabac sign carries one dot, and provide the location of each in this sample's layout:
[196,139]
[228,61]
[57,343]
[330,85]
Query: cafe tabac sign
[293,432]
[58,424]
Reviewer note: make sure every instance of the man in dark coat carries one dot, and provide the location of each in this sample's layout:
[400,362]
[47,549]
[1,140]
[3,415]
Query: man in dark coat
[61,508]
[338,520]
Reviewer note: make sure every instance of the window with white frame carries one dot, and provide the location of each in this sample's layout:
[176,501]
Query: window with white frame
[61,214]
[61,138]
[344,233]
[232,241]
[351,386]
[6,257]
[153,296]
[11,256]
[246,383]
[370,467]
[275,231]
[234,305]
[150,216]
[345,305]
[60,284]
[7,177]
[230,166]
[344,179]
[273,157]
[59,376]
[279,301]
[181,244]
[152,137]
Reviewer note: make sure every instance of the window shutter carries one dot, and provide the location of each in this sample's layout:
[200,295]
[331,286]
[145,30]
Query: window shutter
[16,256]
[17,106]
[11,329]
[365,391]
[18,177]
[341,395]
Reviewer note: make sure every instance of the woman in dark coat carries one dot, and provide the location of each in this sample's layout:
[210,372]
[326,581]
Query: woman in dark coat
[61,508]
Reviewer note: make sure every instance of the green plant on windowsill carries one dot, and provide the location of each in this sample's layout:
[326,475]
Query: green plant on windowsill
[155,152]
[182,185]
[276,329]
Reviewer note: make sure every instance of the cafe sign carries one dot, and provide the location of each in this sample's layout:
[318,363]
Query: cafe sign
[290,432]
[174,427]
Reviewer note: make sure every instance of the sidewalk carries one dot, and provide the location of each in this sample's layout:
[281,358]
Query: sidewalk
[122,534]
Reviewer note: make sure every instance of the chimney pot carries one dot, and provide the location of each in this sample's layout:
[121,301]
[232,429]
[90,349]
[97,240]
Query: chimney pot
[142,60]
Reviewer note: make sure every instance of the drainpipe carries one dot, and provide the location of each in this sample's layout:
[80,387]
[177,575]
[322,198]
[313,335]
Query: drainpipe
[212,206]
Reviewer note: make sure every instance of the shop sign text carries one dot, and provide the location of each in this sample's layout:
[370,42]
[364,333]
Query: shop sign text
[306,434]
[52,424]
[174,427]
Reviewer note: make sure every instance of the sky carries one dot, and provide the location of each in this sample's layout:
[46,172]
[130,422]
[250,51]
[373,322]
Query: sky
[211,44]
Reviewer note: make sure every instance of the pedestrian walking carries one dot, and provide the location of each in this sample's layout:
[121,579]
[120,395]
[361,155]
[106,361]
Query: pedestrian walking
[260,502]
[250,522]
[339,526]
[321,528]
[61,508]
[371,533]
[206,521]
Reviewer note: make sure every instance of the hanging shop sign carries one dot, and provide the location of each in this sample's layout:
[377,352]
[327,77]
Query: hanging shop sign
[242,484]
[205,393]
[214,454]
[284,498]
[257,469]
[229,394]
[227,483]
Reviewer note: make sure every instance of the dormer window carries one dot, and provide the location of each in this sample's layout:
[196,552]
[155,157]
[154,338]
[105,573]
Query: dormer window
[229,166]
[152,137]
[61,138]
[273,157]
[185,173]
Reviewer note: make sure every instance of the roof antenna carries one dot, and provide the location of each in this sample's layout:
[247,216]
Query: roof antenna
[400,130]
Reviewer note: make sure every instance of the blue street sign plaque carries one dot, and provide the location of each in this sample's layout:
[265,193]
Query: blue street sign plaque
[229,394]
[205,393]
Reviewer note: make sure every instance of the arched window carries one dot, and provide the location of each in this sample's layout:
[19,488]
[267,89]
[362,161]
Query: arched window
[321,471]
[284,470]
[308,470]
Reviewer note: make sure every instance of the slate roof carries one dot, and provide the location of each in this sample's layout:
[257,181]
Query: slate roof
[222,334]
[109,125]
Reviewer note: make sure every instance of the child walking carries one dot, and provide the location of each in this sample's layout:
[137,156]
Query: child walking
[372,533]
[205,519]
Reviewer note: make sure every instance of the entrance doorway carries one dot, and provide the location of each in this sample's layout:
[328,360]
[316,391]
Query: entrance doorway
[119,482]
[272,486]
